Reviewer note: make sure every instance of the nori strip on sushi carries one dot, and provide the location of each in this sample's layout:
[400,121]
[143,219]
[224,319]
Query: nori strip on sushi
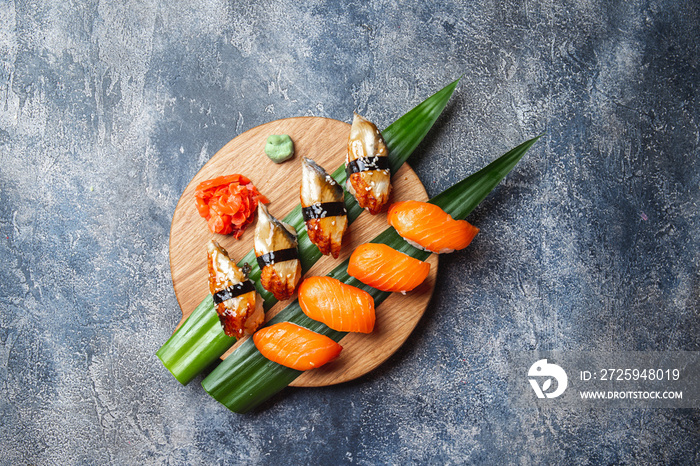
[274,257]
[324,209]
[364,164]
[233,291]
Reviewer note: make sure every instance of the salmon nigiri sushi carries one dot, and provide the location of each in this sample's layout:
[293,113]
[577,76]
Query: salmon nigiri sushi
[386,269]
[428,227]
[295,347]
[342,307]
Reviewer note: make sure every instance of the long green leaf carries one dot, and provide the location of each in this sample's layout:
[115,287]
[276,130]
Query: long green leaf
[246,378]
[200,341]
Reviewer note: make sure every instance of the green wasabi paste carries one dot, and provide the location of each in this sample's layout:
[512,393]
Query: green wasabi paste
[279,148]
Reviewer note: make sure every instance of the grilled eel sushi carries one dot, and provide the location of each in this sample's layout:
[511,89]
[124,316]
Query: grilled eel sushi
[323,207]
[237,303]
[277,253]
[367,166]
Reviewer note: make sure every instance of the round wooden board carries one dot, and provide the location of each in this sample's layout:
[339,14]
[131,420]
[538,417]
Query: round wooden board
[325,141]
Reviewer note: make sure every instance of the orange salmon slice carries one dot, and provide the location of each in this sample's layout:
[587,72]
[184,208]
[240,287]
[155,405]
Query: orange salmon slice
[295,347]
[386,269]
[342,307]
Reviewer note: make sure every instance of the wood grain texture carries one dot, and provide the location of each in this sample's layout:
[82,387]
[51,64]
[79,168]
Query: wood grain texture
[325,141]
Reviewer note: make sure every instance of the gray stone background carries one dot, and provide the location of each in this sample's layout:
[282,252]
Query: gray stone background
[109,108]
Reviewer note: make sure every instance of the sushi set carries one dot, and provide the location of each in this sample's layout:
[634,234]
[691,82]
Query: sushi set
[319,142]
[340,266]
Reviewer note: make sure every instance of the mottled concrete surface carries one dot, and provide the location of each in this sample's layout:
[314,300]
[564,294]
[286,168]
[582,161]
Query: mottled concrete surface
[108,108]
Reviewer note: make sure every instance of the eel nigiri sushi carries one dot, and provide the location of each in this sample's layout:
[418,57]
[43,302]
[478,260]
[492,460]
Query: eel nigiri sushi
[323,207]
[428,227]
[386,269]
[237,303]
[367,166]
[278,257]
[342,307]
[295,347]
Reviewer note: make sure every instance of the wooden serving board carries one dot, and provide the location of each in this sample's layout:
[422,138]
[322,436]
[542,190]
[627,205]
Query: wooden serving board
[325,141]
